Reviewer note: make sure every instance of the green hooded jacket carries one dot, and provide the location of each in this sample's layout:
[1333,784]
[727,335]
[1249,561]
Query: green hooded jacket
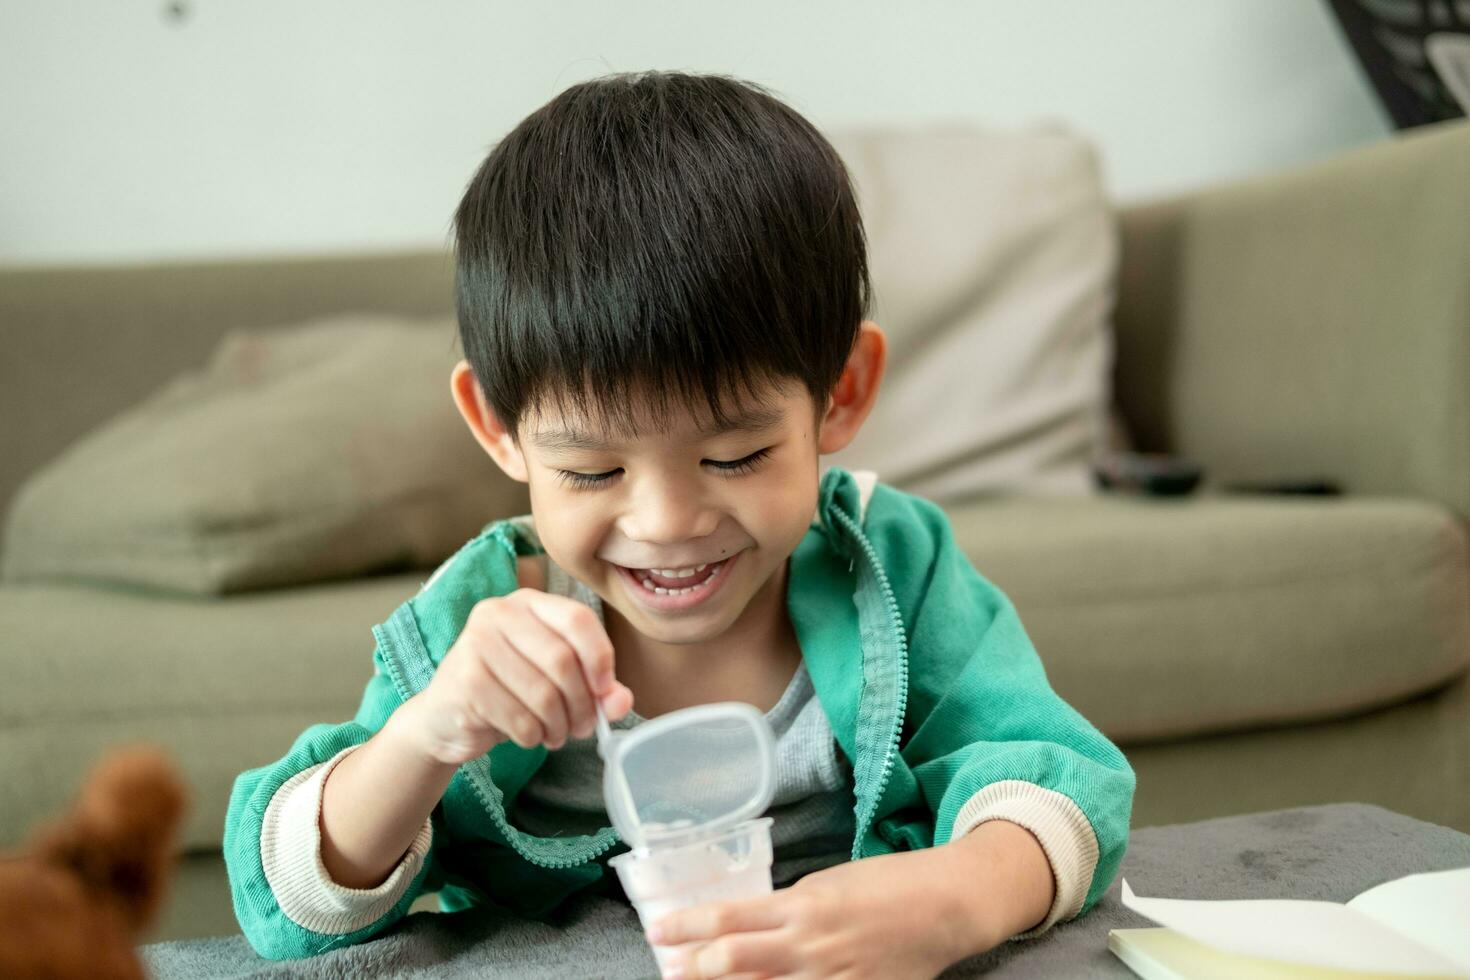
[931,686]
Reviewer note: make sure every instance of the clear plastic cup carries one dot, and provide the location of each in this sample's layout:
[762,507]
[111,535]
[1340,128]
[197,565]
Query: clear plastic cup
[686,792]
[663,878]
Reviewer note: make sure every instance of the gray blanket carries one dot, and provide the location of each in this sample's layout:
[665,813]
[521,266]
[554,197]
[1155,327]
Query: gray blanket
[1329,852]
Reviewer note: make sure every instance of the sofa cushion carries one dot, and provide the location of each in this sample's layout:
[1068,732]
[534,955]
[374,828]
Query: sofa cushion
[1159,619]
[222,684]
[322,450]
[992,256]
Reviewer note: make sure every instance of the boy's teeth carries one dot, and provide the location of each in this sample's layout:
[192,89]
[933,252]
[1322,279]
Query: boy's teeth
[679,572]
[647,584]
[667,573]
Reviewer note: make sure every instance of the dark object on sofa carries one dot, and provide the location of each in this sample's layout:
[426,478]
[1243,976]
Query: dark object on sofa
[1152,474]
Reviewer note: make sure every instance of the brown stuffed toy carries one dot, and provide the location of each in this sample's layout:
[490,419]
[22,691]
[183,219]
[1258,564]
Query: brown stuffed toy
[75,899]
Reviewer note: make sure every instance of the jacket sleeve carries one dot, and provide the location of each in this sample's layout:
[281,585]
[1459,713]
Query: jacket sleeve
[272,931]
[988,738]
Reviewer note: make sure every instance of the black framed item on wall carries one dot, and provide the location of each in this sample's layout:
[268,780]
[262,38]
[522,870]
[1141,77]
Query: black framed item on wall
[1415,52]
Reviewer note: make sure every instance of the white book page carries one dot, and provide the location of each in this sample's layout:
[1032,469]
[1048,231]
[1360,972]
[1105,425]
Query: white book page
[1432,909]
[1312,933]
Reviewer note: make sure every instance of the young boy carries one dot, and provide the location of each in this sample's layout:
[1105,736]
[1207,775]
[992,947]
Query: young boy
[661,286]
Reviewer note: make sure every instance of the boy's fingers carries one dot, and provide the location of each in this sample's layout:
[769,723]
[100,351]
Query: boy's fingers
[706,922]
[536,692]
[501,711]
[579,625]
[617,702]
[738,954]
[556,659]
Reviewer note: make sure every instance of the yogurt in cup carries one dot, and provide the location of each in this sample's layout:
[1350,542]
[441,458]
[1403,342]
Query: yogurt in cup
[733,863]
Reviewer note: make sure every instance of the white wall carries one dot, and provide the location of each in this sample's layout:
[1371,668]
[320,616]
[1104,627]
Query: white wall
[286,126]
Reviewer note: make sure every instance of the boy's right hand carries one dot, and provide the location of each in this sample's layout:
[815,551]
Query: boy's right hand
[529,667]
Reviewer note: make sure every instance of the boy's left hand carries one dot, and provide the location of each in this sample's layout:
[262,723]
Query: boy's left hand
[893,916]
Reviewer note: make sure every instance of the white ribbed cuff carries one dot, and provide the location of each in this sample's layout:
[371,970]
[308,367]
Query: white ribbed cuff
[1063,830]
[291,855]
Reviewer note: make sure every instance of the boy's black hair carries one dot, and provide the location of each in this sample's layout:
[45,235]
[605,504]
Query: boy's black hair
[650,239]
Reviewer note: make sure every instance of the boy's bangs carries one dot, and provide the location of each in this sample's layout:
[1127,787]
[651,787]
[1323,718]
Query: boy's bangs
[631,399]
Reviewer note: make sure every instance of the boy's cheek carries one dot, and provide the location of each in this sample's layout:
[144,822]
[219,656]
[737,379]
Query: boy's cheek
[780,496]
[787,504]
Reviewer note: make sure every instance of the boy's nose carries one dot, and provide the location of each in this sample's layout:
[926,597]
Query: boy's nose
[668,513]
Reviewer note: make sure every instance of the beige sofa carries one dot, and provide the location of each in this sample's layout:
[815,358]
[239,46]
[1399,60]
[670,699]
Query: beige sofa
[1248,652]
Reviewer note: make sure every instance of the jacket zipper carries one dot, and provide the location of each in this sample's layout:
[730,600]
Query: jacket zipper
[485,792]
[895,623]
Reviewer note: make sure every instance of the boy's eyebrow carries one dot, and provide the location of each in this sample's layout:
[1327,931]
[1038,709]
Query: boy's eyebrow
[748,420]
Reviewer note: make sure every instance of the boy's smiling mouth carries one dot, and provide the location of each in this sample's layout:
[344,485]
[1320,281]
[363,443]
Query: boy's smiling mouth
[675,589]
[661,580]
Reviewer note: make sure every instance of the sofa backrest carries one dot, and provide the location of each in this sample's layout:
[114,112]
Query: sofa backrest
[1309,324]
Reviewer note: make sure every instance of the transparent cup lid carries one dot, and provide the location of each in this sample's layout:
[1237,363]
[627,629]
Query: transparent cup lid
[688,773]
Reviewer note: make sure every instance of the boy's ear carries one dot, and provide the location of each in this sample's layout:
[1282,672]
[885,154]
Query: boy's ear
[486,427]
[856,390]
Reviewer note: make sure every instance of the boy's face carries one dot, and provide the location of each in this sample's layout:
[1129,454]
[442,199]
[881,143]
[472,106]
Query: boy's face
[681,525]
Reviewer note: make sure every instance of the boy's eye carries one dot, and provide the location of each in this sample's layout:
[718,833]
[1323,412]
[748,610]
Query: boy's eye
[732,467]
[585,480]
[742,465]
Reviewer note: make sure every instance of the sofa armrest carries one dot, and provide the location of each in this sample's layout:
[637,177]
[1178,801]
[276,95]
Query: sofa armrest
[1314,323]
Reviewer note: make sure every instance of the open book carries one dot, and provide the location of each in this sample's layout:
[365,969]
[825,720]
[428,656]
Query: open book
[1416,926]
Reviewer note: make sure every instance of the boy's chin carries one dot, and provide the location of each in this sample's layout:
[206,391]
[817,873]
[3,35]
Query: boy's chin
[675,629]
